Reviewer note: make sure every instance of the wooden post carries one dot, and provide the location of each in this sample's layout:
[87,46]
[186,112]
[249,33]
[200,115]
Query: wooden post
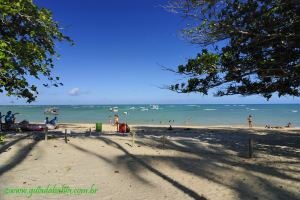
[66,139]
[46,133]
[250,149]
[90,131]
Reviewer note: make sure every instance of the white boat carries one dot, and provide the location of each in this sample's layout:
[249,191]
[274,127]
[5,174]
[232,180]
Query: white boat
[53,111]
[154,107]
[114,109]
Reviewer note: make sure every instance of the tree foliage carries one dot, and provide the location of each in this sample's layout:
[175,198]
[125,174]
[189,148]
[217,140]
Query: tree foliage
[27,47]
[254,47]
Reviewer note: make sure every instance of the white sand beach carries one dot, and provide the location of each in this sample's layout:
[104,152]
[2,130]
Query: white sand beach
[195,163]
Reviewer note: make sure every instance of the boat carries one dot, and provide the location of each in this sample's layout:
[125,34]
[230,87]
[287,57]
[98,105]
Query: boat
[114,109]
[154,107]
[52,111]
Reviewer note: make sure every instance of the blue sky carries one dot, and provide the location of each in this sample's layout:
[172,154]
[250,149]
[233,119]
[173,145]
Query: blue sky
[119,49]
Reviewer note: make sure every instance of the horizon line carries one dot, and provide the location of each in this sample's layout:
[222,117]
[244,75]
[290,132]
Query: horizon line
[149,104]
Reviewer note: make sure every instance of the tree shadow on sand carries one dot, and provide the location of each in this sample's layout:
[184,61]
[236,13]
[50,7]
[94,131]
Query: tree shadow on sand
[272,142]
[253,180]
[212,166]
[9,144]
[176,184]
[21,154]
[213,162]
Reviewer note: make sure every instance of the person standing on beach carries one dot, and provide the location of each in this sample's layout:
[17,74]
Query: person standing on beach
[116,121]
[250,121]
[1,116]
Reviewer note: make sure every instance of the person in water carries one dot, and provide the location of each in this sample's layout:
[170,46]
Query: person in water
[250,120]
[110,120]
[289,125]
[53,121]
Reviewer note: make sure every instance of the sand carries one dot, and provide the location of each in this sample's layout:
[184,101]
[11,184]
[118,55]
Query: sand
[196,163]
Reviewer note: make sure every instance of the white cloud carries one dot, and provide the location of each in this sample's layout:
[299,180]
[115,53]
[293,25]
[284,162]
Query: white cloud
[74,92]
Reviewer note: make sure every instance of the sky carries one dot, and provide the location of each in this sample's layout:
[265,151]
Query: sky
[120,48]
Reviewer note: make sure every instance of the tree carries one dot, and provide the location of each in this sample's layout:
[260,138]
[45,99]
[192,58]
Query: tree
[27,47]
[249,47]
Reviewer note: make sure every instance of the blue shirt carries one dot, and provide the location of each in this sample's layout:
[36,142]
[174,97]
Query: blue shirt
[53,121]
[9,118]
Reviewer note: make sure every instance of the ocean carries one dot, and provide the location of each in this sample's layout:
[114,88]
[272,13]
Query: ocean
[187,114]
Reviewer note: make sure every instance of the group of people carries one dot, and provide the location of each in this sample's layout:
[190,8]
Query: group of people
[289,125]
[250,123]
[51,122]
[9,118]
[116,120]
[121,127]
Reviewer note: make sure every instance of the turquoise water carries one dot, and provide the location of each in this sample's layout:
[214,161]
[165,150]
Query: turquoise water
[200,114]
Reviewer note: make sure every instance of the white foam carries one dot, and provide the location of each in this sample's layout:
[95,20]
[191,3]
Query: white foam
[209,109]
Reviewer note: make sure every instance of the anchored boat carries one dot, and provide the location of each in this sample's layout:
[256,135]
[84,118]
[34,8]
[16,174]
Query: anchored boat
[52,111]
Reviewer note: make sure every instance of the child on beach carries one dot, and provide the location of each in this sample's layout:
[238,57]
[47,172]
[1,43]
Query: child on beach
[250,121]
[116,121]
